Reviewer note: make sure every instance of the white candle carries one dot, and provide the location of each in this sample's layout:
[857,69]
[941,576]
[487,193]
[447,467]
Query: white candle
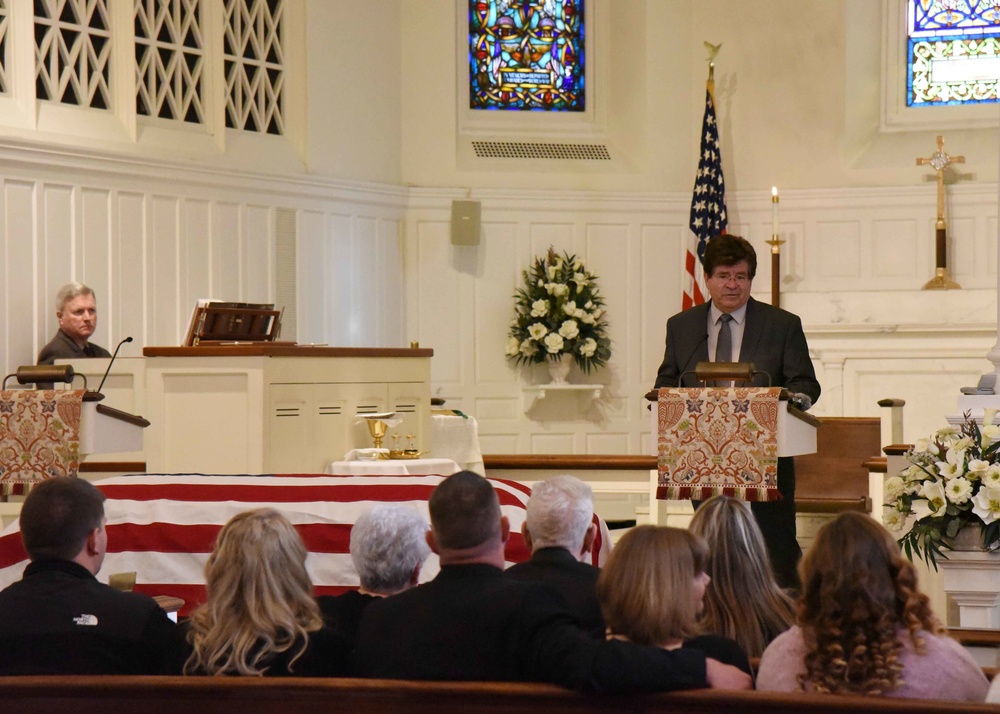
[774,211]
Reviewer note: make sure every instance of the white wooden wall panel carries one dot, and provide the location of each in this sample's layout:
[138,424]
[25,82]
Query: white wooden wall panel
[128,298]
[196,220]
[342,319]
[21,310]
[314,283]
[226,252]
[257,256]
[58,254]
[492,304]
[438,288]
[660,245]
[162,270]
[95,251]
[390,317]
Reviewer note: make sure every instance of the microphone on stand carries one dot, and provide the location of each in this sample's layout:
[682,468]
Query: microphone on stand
[108,371]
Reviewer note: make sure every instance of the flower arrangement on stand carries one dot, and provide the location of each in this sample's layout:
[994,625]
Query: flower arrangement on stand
[952,483]
[559,312]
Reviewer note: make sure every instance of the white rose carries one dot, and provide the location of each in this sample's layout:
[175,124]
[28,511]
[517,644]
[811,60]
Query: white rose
[540,308]
[585,317]
[569,329]
[529,348]
[589,347]
[553,343]
[513,346]
[570,308]
[537,330]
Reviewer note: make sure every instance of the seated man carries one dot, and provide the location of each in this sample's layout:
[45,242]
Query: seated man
[560,530]
[388,548]
[473,623]
[58,619]
[76,310]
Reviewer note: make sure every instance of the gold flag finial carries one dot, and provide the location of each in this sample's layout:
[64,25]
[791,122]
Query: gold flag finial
[713,51]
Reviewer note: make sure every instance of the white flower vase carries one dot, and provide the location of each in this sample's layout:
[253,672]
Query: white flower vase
[559,369]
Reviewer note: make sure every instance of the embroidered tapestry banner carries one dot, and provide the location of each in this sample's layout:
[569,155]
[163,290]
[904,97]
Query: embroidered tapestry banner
[39,434]
[718,440]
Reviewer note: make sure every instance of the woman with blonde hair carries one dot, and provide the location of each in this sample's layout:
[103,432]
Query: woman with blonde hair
[260,617]
[743,601]
[864,627]
[651,590]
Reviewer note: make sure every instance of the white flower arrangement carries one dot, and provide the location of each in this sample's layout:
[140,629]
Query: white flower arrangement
[559,312]
[952,482]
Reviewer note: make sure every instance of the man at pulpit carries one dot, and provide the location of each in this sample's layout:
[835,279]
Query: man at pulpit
[733,327]
[76,310]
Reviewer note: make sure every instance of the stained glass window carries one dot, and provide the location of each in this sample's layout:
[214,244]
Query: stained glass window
[527,55]
[953,52]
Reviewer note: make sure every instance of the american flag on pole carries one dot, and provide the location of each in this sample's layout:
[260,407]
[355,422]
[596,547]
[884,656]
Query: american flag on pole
[708,204]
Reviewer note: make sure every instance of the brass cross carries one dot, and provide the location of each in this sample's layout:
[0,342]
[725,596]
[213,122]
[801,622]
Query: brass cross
[940,161]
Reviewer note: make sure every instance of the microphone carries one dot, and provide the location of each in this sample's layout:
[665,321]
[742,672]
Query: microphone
[108,371]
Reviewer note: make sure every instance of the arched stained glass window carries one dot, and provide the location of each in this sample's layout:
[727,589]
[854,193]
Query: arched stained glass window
[527,55]
[953,52]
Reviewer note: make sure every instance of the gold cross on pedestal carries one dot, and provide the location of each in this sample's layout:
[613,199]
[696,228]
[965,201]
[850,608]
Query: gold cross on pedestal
[939,160]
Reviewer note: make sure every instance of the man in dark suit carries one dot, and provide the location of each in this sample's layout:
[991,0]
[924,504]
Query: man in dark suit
[560,530]
[773,340]
[473,623]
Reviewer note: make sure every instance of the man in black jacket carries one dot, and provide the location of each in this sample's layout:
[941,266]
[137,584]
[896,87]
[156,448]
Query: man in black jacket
[473,623]
[58,619]
[560,530]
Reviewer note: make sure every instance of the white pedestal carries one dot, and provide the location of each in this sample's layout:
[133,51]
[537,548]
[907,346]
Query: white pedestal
[972,581]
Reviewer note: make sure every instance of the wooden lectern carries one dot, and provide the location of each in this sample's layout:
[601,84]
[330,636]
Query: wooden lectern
[47,433]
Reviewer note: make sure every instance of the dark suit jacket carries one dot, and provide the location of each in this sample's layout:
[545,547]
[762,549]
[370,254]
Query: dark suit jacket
[59,619]
[62,346]
[472,623]
[575,581]
[773,341]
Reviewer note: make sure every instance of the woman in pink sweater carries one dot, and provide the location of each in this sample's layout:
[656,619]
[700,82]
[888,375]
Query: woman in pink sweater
[864,627]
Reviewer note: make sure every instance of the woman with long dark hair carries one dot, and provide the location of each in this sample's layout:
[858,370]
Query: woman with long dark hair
[864,627]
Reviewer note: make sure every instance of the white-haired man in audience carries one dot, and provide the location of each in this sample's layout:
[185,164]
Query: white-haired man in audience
[388,548]
[559,529]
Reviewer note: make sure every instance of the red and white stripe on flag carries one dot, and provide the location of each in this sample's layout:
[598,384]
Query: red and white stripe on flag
[163,527]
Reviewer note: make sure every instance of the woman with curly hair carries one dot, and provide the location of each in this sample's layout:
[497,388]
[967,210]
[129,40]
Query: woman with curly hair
[260,618]
[743,601]
[651,591]
[864,627]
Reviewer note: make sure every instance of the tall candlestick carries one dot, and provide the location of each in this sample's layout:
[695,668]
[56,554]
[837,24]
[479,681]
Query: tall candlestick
[774,211]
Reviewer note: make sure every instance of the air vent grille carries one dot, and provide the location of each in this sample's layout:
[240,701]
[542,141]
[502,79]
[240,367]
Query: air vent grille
[530,150]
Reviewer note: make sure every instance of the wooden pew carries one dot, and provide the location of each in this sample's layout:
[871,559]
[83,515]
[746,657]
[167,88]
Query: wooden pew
[236,695]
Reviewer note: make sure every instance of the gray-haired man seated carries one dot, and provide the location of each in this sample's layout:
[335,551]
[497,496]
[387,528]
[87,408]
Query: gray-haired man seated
[560,530]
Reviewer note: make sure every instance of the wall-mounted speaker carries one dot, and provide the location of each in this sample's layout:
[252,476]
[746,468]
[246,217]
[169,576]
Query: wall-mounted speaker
[465,222]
